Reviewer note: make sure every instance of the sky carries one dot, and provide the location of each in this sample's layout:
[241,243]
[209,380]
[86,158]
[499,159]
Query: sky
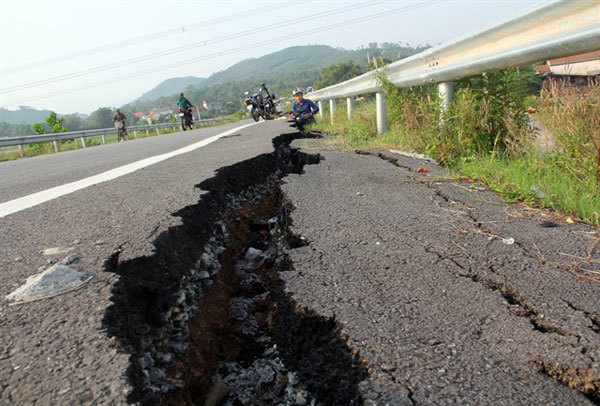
[77,55]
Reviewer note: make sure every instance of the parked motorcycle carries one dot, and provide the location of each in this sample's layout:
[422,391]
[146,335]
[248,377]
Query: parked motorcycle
[254,108]
[187,121]
[262,104]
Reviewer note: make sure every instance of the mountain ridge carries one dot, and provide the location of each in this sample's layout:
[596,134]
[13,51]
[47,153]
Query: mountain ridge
[169,86]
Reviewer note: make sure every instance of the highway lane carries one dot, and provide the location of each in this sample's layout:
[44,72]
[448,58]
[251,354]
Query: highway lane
[413,268]
[62,339]
[25,176]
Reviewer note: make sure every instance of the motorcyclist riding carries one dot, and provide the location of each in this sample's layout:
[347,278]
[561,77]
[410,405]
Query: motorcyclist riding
[122,128]
[303,110]
[184,104]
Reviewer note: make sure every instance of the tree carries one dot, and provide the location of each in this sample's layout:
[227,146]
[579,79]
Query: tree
[338,73]
[101,118]
[72,122]
[55,123]
[38,128]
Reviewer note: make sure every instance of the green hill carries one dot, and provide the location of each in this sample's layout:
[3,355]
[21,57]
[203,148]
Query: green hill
[24,115]
[294,59]
[170,86]
[281,71]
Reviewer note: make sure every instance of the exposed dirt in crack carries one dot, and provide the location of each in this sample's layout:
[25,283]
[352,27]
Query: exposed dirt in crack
[582,379]
[206,316]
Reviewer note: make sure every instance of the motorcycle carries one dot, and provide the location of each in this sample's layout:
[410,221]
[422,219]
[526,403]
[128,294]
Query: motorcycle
[262,104]
[253,107]
[186,118]
[121,132]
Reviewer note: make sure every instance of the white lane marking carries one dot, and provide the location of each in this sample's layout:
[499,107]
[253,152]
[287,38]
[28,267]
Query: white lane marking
[25,202]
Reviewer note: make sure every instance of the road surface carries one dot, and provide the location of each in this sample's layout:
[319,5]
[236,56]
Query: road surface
[444,292]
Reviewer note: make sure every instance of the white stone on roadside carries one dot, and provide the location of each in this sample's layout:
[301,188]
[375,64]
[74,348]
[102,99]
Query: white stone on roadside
[508,241]
[57,250]
[51,282]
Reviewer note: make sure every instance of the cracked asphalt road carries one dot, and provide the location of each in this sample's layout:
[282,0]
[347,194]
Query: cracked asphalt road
[412,267]
[440,308]
[56,351]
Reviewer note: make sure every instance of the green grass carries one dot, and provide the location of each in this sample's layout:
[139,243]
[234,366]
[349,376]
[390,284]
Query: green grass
[535,179]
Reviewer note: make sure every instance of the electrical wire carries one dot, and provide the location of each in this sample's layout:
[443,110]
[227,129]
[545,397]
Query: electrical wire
[234,50]
[184,48]
[141,39]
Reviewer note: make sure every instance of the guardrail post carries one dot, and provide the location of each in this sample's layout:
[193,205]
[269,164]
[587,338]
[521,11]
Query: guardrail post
[446,92]
[21,150]
[103,139]
[135,134]
[83,142]
[157,131]
[332,109]
[320,109]
[147,133]
[55,146]
[350,105]
[381,113]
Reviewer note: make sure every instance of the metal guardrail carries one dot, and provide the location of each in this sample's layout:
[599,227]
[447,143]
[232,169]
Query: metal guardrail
[556,29]
[31,139]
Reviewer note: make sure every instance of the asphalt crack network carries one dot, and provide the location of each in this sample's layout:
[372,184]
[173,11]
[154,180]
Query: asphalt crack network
[580,378]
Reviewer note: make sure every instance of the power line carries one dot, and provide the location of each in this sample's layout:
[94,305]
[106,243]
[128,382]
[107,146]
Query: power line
[198,44]
[143,38]
[235,50]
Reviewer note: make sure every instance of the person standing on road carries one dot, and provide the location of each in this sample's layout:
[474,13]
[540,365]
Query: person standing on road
[303,110]
[120,118]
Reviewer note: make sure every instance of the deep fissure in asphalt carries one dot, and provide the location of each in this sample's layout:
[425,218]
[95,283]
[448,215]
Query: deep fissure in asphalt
[206,317]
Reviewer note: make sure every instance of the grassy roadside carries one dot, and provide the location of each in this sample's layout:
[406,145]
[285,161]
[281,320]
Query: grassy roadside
[43,148]
[566,179]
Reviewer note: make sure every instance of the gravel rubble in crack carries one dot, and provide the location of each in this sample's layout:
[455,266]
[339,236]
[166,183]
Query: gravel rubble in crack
[201,284]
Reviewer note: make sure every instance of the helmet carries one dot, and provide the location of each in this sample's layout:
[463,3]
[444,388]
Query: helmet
[181,94]
[298,90]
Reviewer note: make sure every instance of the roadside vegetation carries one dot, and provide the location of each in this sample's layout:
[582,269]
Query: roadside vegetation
[487,135]
[42,148]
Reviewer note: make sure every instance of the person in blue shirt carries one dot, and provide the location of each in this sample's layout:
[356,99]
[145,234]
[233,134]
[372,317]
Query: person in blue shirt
[303,110]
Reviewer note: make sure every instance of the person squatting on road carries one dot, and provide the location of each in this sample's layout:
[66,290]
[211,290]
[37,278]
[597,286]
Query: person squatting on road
[120,118]
[303,110]
[184,104]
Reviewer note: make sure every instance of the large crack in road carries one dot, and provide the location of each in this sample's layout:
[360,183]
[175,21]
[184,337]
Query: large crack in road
[206,318]
[235,308]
